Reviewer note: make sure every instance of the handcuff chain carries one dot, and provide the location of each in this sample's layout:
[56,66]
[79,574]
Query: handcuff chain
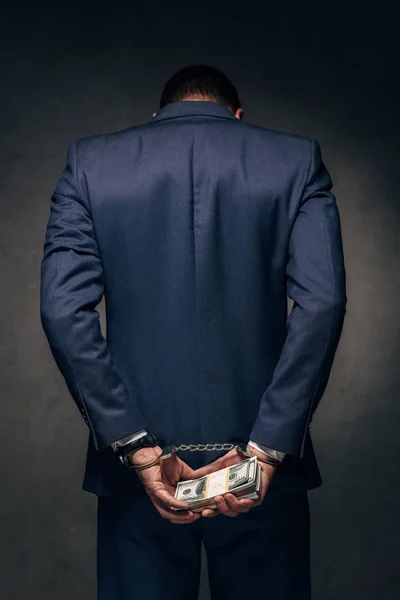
[206,447]
[168,451]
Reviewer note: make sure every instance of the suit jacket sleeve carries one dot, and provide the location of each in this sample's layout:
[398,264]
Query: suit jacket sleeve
[316,282]
[71,288]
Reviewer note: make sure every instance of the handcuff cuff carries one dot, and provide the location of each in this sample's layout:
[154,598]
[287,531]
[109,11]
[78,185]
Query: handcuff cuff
[149,440]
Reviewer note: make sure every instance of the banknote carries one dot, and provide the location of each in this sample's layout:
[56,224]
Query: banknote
[241,479]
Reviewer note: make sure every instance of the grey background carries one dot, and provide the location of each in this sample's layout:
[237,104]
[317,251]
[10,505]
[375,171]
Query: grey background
[329,75]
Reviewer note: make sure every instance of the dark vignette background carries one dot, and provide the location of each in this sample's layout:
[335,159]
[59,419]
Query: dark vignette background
[325,71]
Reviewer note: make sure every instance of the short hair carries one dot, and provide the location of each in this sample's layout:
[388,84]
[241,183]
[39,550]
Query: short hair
[200,80]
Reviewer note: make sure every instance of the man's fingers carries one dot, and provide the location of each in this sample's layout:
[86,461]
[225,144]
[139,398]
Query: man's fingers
[238,505]
[207,469]
[178,518]
[210,512]
[187,472]
[224,508]
[183,519]
[230,458]
[167,500]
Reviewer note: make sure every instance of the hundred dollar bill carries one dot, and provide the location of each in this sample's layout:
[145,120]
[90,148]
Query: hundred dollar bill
[241,479]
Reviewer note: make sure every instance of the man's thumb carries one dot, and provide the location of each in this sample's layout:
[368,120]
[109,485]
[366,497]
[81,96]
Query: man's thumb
[207,469]
[187,472]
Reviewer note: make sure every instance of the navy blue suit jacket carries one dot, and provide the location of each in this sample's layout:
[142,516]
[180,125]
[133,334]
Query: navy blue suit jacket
[195,226]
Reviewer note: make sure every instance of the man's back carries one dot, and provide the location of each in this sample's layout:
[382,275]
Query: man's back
[201,226]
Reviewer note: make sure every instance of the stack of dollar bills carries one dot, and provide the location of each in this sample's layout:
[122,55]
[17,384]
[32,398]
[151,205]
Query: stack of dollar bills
[241,479]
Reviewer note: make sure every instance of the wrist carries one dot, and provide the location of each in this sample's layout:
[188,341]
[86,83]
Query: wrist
[126,450]
[275,454]
[144,455]
[269,462]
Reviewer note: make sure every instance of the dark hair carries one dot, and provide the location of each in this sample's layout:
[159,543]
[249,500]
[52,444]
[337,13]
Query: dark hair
[200,80]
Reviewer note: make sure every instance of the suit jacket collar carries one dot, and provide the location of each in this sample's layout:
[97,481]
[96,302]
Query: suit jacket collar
[187,108]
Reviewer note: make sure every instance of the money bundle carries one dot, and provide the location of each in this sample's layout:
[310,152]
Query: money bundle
[241,479]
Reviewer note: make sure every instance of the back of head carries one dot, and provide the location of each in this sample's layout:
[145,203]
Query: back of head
[200,82]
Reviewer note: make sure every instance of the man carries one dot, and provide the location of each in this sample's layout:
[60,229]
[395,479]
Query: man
[196,226]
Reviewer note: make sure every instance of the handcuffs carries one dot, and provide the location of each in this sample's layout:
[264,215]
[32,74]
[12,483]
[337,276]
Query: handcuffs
[169,451]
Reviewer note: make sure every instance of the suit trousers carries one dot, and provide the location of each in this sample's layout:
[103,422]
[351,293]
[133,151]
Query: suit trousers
[263,554]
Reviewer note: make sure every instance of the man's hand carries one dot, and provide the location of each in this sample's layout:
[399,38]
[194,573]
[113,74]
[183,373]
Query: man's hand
[228,504]
[160,483]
